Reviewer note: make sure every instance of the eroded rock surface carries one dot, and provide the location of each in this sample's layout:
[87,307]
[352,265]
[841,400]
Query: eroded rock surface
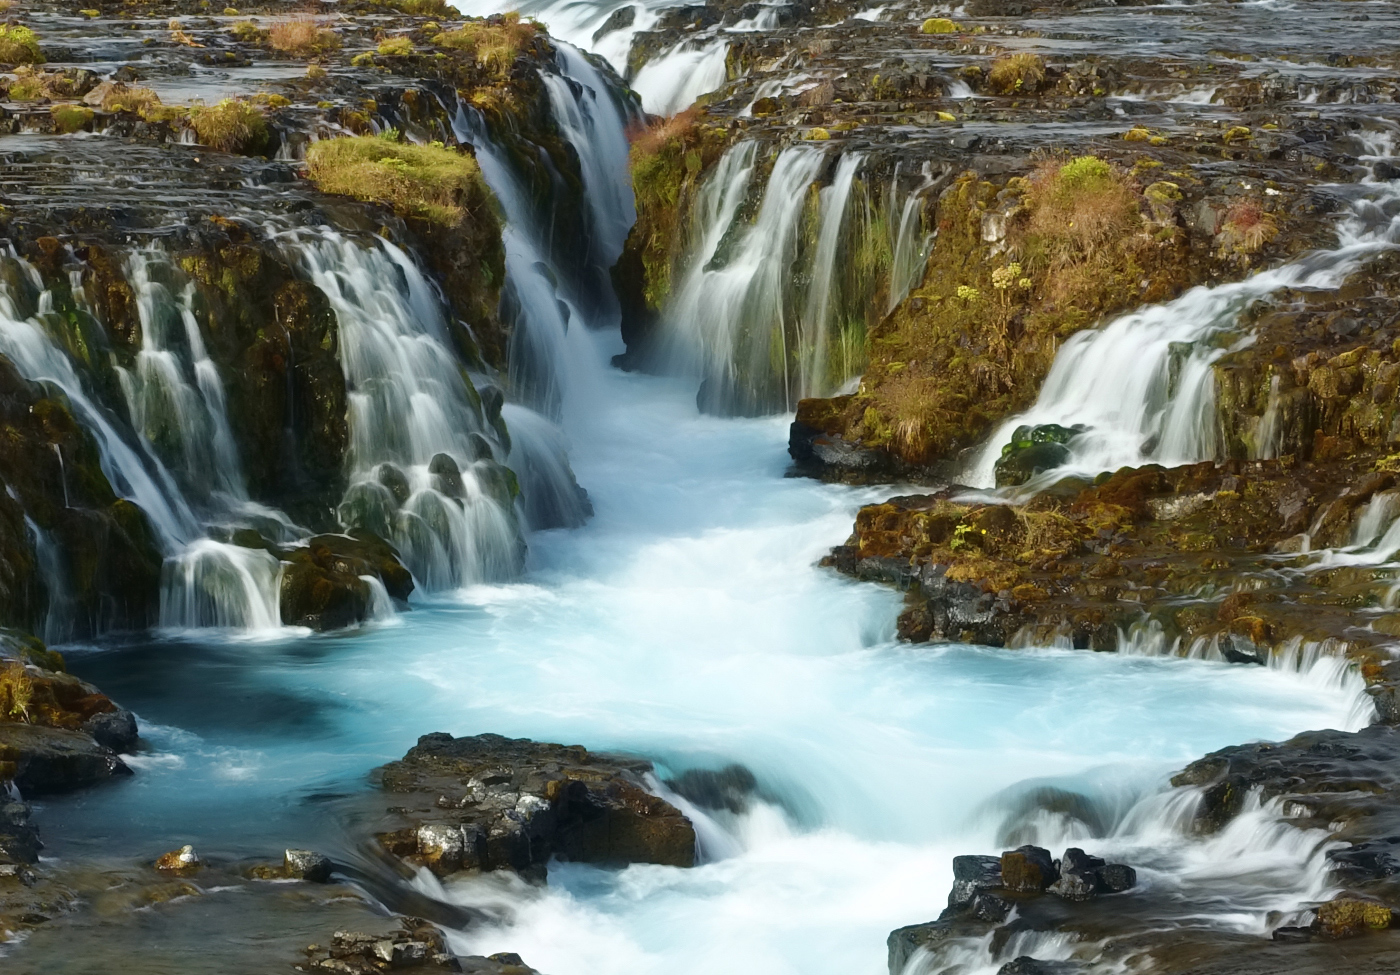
[493,803]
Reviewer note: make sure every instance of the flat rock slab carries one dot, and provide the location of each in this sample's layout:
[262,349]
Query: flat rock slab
[492,803]
[48,760]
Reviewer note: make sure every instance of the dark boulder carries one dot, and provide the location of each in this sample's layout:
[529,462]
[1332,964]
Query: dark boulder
[19,837]
[1028,869]
[970,875]
[322,582]
[43,761]
[447,476]
[489,803]
[730,788]
[1079,875]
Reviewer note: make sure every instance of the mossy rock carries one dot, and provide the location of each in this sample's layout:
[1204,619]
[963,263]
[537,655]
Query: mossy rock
[1034,450]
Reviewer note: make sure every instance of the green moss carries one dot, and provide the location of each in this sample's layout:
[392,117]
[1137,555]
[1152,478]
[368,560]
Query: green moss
[71,118]
[494,42]
[230,126]
[434,182]
[395,46]
[938,25]
[1013,74]
[19,45]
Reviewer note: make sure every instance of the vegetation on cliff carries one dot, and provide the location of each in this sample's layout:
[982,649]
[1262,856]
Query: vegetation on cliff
[439,184]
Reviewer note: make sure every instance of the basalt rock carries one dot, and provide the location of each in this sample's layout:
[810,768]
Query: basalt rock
[416,946]
[43,761]
[493,803]
[323,583]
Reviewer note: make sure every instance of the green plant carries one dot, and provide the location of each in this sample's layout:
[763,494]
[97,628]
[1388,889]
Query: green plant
[494,42]
[938,25]
[433,182]
[19,45]
[16,692]
[1246,228]
[395,46]
[230,126]
[71,118]
[246,31]
[122,98]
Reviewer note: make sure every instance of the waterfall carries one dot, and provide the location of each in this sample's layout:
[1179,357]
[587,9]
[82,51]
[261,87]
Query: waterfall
[728,318]
[672,81]
[140,479]
[816,321]
[911,243]
[422,458]
[590,118]
[549,495]
[547,366]
[1144,384]
[205,583]
[177,404]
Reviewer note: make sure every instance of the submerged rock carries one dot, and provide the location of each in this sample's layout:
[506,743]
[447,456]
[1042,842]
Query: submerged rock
[182,861]
[416,946]
[491,803]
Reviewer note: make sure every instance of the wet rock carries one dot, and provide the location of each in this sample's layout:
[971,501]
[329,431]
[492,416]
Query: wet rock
[1029,869]
[414,947]
[1079,876]
[1033,450]
[115,729]
[490,803]
[903,943]
[182,861]
[307,865]
[1026,965]
[972,874]
[447,476]
[19,837]
[730,788]
[43,761]
[323,585]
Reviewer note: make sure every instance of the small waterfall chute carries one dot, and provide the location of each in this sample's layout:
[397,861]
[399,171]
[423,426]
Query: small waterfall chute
[423,470]
[1144,383]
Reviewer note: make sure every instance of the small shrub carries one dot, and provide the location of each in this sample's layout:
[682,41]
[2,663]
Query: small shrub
[1080,208]
[432,182]
[315,72]
[1246,228]
[71,118]
[395,46]
[123,98]
[90,13]
[19,45]
[246,31]
[938,25]
[30,85]
[1015,74]
[16,692]
[817,134]
[230,126]
[303,36]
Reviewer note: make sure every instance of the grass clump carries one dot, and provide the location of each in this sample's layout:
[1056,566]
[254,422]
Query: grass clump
[395,47]
[426,8]
[1015,74]
[16,692]
[494,42]
[247,31]
[302,36]
[230,126]
[938,25]
[19,45]
[1247,227]
[432,182]
[1079,209]
[71,118]
[124,98]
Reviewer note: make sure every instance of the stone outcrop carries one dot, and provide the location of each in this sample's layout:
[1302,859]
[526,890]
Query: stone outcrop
[493,803]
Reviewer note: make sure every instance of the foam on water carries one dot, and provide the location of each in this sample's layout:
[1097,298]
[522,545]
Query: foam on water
[688,622]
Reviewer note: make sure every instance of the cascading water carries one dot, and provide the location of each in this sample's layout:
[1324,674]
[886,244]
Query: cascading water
[1144,385]
[422,458]
[729,318]
[670,82]
[769,312]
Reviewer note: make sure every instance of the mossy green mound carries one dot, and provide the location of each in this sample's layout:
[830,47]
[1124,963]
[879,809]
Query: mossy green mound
[433,182]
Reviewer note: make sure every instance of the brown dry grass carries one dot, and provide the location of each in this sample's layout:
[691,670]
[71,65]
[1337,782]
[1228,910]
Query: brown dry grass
[1247,228]
[303,36]
[1014,74]
[1081,208]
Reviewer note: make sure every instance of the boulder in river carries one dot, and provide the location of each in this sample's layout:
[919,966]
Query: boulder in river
[489,803]
[1029,869]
